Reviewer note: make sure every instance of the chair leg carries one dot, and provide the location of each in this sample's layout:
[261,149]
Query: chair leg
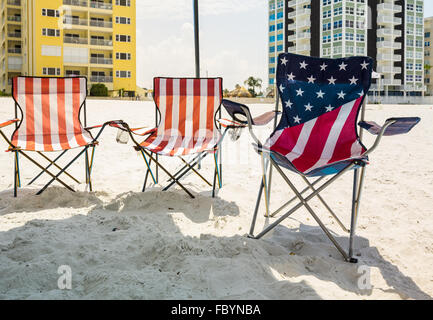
[88,170]
[218,168]
[147,176]
[256,211]
[61,172]
[356,198]
[265,183]
[169,174]
[18,170]
[294,198]
[176,180]
[16,175]
[187,165]
[214,183]
[311,211]
[52,162]
[326,206]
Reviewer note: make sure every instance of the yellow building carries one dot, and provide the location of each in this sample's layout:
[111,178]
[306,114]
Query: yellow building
[96,39]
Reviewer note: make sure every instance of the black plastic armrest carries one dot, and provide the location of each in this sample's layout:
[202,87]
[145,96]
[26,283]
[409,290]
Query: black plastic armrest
[241,113]
[398,126]
[236,111]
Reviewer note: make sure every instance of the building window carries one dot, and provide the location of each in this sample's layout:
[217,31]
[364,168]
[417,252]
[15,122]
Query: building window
[50,13]
[123,56]
[50,32]
[123,74]
[123,38]
[123,3]
[51,71]
[123,20]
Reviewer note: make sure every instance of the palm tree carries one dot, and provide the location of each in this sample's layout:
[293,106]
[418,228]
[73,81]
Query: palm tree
[252,84]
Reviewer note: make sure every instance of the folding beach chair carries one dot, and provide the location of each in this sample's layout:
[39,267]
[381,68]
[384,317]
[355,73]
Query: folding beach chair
[50,109]
[317,135]
[186,125]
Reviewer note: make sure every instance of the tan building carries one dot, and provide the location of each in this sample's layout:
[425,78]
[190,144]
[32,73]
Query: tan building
[428,53]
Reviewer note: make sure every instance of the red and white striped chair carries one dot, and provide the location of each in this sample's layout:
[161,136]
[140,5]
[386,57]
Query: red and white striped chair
[50,109]
[186,111]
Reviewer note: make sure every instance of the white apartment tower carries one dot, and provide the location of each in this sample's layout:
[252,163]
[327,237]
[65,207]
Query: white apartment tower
[389,31]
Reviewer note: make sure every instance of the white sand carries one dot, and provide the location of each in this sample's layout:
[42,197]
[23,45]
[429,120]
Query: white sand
[168,246]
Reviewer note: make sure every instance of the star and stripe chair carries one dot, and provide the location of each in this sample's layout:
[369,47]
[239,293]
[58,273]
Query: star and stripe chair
[317,136]
[186,126]
[50,122]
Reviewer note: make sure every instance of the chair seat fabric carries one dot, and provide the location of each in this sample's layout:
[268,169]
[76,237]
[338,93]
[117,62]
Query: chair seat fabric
[187,110]
[177,145]
[51,114]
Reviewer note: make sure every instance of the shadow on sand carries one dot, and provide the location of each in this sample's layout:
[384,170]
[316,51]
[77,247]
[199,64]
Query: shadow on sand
[132,247]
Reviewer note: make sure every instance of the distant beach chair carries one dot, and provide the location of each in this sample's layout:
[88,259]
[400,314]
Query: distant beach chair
[50,109]
[317,135]
[186,125]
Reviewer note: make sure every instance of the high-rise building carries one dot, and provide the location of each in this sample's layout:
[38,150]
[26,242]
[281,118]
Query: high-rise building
[428,55]
[96,39]
[389,31]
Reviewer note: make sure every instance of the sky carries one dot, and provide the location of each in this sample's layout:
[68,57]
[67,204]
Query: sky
[233,39]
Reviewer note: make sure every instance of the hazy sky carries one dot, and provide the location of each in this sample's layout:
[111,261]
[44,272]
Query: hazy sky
[233,39]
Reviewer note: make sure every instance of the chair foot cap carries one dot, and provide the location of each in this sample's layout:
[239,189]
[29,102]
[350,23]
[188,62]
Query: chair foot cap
[353,260]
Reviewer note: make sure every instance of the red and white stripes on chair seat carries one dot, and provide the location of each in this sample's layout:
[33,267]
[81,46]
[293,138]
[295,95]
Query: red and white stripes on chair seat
[51,113]
[187,108]
[325,140]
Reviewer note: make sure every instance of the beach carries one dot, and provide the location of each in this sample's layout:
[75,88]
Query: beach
[121,243]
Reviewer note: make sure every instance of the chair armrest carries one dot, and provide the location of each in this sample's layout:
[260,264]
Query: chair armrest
[265,118]
[396,126]
[240,113]
[227,123]
[8,123]
[401,126]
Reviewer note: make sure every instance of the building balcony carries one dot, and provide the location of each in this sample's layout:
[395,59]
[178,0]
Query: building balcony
[101,24]
[104,61]
[101,42]
[75,40]
[388,44]
[299,13]
[388,57]
[391,82]
[294,3]
[15,50]
[14,3]
[389,32]
[75,21]
[389,7]
[14,19]
[14,34]
[388,69]
[101,79]
[300,24]
[300,48]
[101,5]
[76,3]
[388,19]
[15,66]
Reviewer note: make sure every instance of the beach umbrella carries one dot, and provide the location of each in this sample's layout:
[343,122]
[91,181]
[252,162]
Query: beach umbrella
[196,39]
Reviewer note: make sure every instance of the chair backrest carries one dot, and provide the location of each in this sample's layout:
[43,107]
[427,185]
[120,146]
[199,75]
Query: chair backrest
[51,112]
[321,101]
[188,106]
